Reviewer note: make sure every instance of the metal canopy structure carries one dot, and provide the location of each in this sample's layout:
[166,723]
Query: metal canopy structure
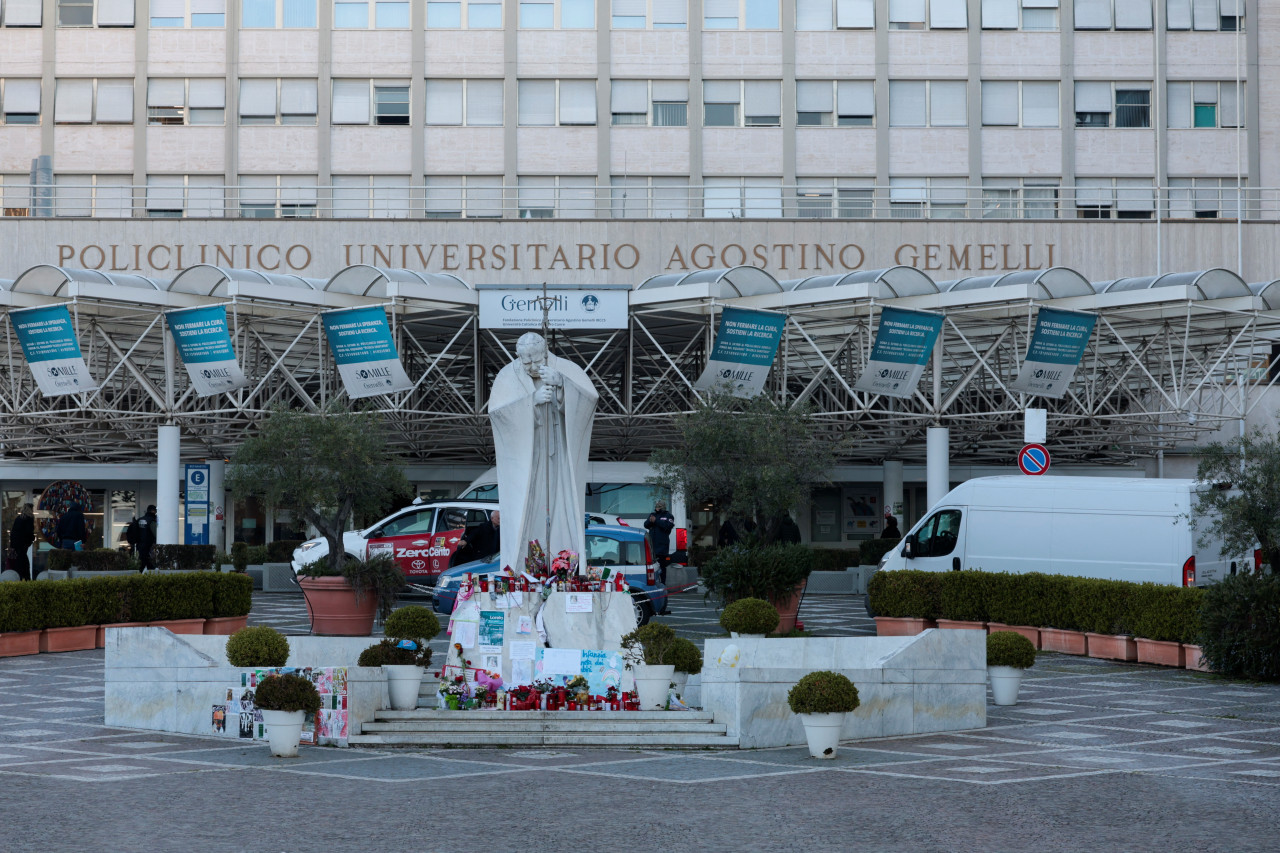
[1171,357]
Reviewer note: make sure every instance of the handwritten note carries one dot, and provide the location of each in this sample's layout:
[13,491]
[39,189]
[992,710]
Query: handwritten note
[562,661]
[521,672]
[464,634]
[524,625]
[522,650]
[577,602]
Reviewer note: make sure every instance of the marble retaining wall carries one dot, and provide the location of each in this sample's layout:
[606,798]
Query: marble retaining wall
[933,682]
[165,682]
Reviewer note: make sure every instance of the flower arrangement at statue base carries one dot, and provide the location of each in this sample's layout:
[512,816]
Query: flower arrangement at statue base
[457,694]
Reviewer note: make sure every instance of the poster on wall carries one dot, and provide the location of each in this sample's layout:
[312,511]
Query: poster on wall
[1057,345]
[746,345]
[602,667]
[903,346]
[236,715]
[365,351]
[863,513]
[49,343]
[204,345]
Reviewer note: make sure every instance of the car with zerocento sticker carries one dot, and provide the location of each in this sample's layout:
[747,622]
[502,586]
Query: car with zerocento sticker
[608,546]
[421,538]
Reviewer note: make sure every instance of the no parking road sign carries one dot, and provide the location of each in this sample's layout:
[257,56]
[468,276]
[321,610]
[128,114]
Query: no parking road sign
[1033,459]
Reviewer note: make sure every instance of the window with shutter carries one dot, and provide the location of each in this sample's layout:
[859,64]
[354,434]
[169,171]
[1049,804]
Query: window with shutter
[628,14]
[762,104]
[999,103]
[350,101]
[114,102]
[670,14]
[444,102]
[298,102]
[629,102]
[855,103]
[814,15]
[484,103]
[20,101]
[1093,14]
[947,103]
[670,103]
[815,103]
[855,14]
[948,14]
[906,14]
[907,103]
[1133,14]
[73,102]
[258,101]
[1040,104]
[165,196]
[537,103]
[23,13]
[577,102]
[1000,14]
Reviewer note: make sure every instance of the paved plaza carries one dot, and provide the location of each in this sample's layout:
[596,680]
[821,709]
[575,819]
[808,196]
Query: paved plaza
[1096,756]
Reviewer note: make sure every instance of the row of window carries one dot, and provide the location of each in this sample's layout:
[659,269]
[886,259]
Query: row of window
[483,196]
[654,103]
[1029,15]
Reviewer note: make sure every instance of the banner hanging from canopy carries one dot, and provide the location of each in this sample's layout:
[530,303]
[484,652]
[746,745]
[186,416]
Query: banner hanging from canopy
[903,346]
[49,343]
[746,345]
[1057,345]
[365,352]
[204,345]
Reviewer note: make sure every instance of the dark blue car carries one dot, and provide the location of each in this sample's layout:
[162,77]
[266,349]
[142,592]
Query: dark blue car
[608,546]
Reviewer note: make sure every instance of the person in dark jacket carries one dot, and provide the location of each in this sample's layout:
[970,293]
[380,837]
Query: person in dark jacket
[660,523]
[479,541]
[891,530]
[21,535]
[72,528]
[788,530]
[728,535]
[147,538]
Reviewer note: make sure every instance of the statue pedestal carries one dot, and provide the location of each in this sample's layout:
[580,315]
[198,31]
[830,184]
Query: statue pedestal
[498,620]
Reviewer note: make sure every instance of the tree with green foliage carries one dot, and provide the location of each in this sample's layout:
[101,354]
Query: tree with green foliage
[1239,501]
[753,460]
[324,466]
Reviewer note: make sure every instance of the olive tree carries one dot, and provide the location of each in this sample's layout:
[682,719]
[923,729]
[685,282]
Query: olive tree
[1239,498]
[753,460]
[324,466]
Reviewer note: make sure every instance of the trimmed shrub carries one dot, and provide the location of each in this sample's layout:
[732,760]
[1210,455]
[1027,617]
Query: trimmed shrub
[22,606]
[96,560]
[699,555]
[240,556]
[157,597]
[835,559]
[257,645]
[1103,606]
[1167,613]
[749,616]
[685,656]
[1007,648]
[964,596]
[184,558]
[772,572]
[648,644]
[1240,626]
[68,604]
[109,599]
[387,653]
[413,622]
[872,551]
[257,555]
[1058,607]
[286,692]
[905,593]
[281,550]
[823,692]
[1017,599]
[232,594]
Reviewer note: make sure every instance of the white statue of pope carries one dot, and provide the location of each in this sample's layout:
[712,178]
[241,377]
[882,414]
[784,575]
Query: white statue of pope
[541,408]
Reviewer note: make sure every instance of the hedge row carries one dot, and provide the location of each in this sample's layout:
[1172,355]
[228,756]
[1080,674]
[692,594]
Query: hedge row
[183,558]
[130,598]
[1152,611]
[824,559]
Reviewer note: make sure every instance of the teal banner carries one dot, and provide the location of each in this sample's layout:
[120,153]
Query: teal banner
[904,344]
[746,345]
[1057,345]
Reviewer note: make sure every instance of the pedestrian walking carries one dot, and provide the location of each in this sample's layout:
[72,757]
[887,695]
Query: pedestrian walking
[21,536]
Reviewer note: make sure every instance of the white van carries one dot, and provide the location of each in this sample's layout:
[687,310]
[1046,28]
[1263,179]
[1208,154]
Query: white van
[1093,527]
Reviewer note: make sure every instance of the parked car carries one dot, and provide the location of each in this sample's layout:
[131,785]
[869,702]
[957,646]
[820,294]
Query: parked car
[421,537]
[609,546]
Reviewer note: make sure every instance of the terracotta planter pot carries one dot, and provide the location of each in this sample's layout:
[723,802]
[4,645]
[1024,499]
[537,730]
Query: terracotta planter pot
[331,604]
[1191,654]
[180,626]
[958,625]
[101,637]
[1066,642]
[1112,647]
[17,643]
[901,626]
[1160,652]
[1032,634]
[69,639]
[789,608]
[223,625]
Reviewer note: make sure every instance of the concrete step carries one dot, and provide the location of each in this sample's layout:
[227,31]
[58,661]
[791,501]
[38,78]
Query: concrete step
[495,739]
[544,726]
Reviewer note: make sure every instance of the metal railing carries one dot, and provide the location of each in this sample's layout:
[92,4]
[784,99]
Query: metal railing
[643,198]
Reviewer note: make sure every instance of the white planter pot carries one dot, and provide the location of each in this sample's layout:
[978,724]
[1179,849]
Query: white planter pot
[738,636]
[284,730]
[652,684]
[682,682]
[403,684]
[1004,684]
[822,732]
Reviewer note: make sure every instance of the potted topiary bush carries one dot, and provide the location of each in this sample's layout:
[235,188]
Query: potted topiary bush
[749,617]
[257,646]
[822,699]
[645,650]
[1008,654]
[285,700]
[408,629]
[686,657]
[343,601]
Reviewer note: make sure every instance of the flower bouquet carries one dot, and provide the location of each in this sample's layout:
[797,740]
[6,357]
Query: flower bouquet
[536,561]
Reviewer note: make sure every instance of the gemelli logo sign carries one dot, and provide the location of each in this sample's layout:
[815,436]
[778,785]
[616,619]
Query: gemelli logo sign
[580,308]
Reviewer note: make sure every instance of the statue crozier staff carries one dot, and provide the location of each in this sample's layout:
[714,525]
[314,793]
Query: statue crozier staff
[541,408]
